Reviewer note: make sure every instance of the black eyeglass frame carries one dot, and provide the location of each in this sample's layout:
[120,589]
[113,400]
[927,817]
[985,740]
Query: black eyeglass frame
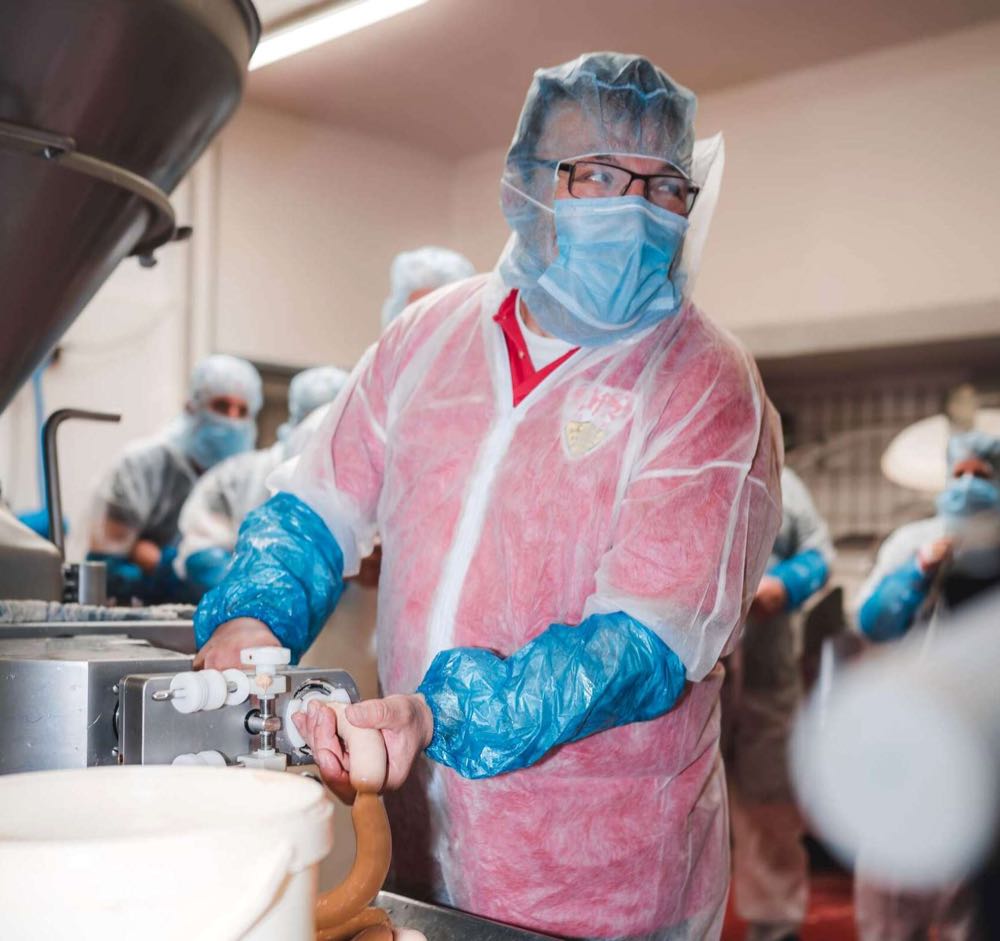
[569,166]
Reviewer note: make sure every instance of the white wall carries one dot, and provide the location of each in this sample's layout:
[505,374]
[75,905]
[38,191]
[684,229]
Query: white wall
[310,218]
[127,353]
[860,204]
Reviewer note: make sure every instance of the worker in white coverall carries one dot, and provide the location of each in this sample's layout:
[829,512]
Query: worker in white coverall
[134,520]
[416,273]
[770,864]
[574,474]
[211,517]
[923,570]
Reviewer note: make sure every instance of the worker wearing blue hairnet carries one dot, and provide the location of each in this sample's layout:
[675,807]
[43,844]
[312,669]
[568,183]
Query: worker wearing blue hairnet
[221,499]
[925,568]
[574,475]
[416,273]
[136,509]
[770,864]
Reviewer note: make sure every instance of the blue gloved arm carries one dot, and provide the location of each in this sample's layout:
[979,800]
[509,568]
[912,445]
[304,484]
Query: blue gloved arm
[287,571]
[802,575]
[890,609]
[493,715]
[207,567]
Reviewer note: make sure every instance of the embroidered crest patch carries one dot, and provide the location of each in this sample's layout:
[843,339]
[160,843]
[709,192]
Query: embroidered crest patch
[594,415]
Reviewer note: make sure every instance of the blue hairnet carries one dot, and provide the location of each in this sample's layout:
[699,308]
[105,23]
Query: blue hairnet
[975,444]
[600,103]
[221,374]
[308,390]
[423,269]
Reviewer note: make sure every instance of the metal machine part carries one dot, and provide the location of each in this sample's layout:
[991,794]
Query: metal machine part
[173,635]
[154,731]
[50,460]
[84,166]
[71,702]
[30,566]
[58,697]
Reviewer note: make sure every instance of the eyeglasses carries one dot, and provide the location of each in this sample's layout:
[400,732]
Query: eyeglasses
[594,179]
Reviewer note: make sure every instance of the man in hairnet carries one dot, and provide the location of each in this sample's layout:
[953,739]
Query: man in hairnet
[416,273]
[770,864]
[574,474]
[136,509]
[221,499]
[923,569]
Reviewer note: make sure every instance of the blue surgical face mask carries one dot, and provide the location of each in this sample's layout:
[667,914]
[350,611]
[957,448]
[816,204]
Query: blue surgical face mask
[967,496]
[613,271]
[212,438]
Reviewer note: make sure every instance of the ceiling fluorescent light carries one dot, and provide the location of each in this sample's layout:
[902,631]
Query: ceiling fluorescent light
[318,28]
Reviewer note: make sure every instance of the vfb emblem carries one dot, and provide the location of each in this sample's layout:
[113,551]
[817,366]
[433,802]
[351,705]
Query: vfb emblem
[594,415]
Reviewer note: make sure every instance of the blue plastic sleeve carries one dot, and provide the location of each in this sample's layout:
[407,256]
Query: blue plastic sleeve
[287,571]
[802,575]
[207,567]
[493,715]
[889,610]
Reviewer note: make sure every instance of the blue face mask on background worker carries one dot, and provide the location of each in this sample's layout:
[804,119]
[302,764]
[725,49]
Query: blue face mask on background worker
[964,538]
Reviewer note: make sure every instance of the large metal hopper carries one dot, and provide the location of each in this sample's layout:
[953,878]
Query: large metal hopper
[104,105]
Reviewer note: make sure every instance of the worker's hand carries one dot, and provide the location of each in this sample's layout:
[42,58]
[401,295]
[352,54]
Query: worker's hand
[933,554]
[222,650]
[406,724]
[770,599]
[146,554]
[318,726]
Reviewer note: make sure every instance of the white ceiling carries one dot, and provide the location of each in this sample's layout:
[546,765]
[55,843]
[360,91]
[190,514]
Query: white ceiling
[450,76]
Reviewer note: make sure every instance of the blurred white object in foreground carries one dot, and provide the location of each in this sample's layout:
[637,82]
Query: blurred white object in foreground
[916,457]
[897,761]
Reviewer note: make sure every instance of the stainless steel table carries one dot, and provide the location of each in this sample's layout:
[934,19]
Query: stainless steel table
[446,924]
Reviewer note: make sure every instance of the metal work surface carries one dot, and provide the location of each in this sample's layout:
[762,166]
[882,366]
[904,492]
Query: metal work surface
[446,924]
[172,635]
[104,105]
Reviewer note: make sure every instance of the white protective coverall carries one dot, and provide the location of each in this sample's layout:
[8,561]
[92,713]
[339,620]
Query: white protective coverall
[639,477]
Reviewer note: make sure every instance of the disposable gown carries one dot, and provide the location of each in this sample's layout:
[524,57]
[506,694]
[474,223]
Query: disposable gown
[141,497]
[219,502]
[640,477]
[770,865]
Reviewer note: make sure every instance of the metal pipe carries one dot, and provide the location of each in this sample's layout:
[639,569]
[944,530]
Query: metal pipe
[50,457]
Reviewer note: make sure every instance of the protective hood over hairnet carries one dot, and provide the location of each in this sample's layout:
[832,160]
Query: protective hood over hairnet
[205,436]
[424,269]
[977,445]
[601,103]
[221,374]
[309,390]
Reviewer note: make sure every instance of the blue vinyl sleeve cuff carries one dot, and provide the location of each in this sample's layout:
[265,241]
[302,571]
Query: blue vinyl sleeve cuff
[890,609]
[495,714]
[287,571]
[802,575]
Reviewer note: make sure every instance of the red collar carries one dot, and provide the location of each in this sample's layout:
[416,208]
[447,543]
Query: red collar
[524,377]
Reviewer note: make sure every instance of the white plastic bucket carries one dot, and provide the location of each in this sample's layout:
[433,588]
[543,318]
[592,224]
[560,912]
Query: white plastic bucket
[161,852]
